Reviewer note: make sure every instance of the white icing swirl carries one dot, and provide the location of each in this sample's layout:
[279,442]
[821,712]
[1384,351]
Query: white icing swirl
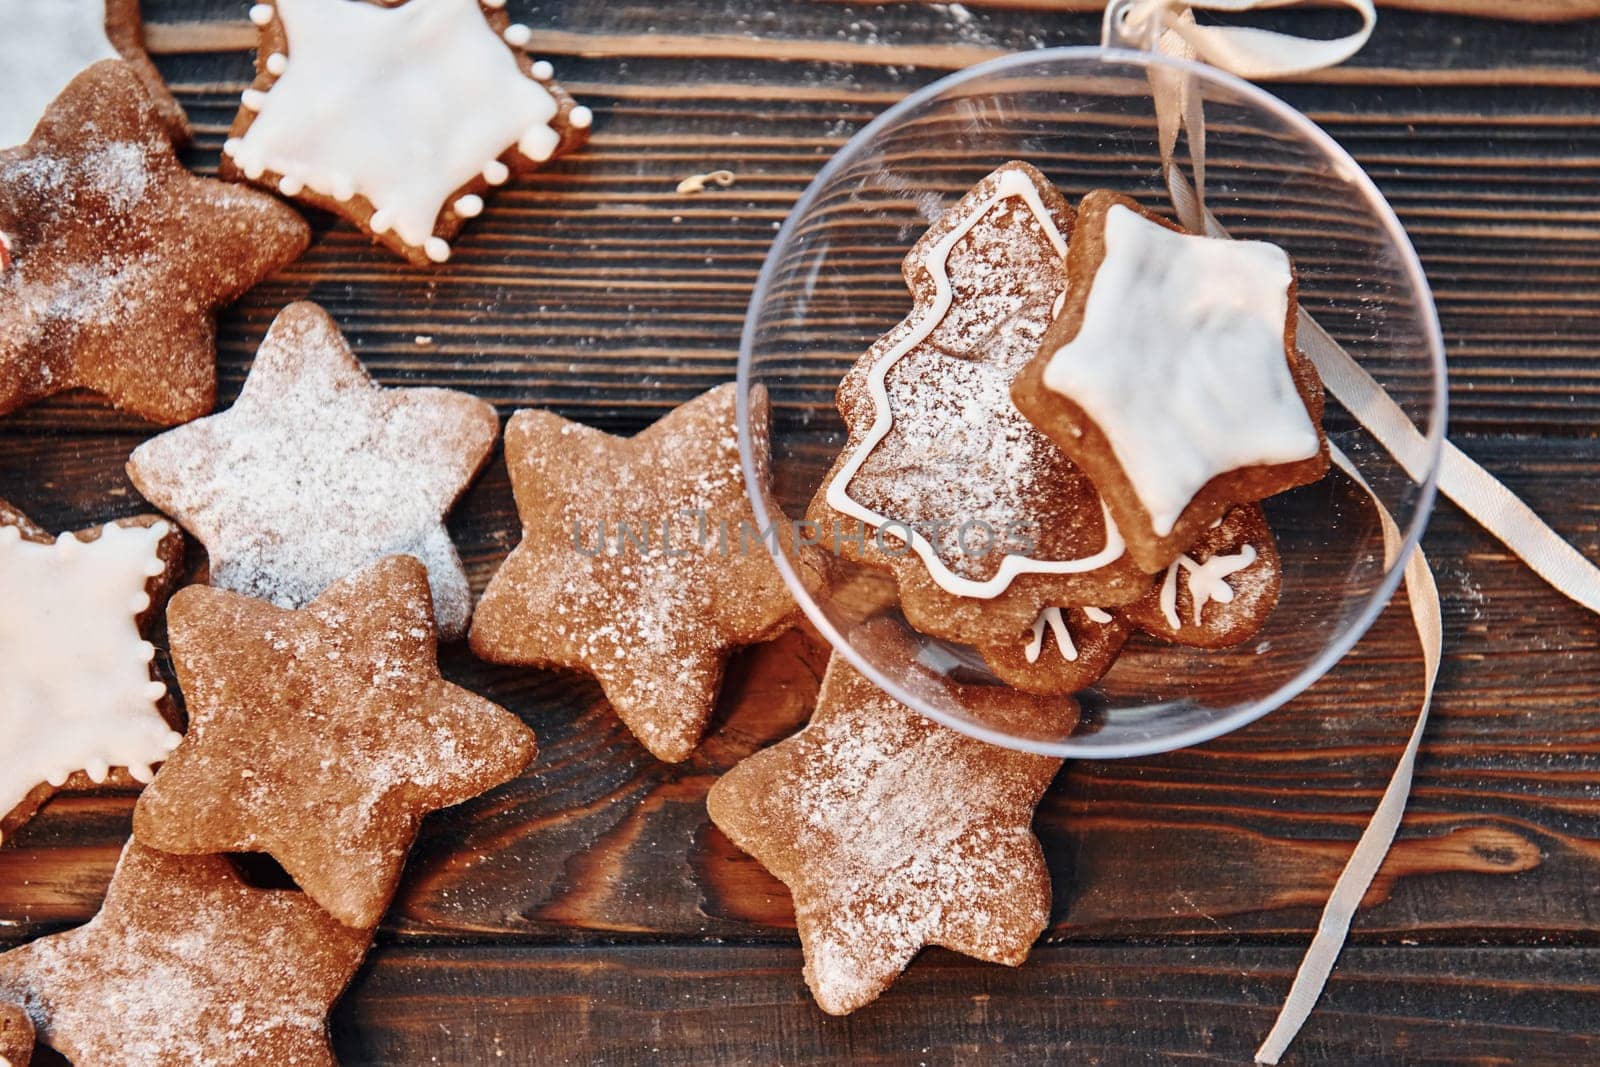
[1011,183]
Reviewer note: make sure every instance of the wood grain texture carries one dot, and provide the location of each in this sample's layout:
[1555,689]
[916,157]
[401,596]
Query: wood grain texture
[659,1004]
[588,912]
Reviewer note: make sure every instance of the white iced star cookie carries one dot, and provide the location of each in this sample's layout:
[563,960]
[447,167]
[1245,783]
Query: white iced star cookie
[44,44]
[316,472]
[397,116]
[79,696]
[1172,378]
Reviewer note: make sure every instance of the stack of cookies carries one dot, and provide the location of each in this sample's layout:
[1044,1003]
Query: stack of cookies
[1062,445]
[1065,441]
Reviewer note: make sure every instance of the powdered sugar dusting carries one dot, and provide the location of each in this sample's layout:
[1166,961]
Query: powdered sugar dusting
[120,256]
[322,736]
[958,451]
[186,965]
[316,472]
[633,564]
[894,833]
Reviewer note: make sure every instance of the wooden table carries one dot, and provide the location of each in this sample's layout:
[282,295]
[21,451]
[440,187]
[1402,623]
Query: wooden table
[589,912]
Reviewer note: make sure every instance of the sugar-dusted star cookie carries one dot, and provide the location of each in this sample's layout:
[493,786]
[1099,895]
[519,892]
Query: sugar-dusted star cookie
[437,103]
[80,702]
[640,563]
[316,472]
[894,833]
[114,258]
[187,965]
[1171,375]
[16,1037]
[982,519]
[322,736]
[44,45]
[1065,650]
[1221,590]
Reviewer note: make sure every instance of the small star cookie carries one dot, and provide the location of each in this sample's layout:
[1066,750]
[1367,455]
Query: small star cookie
[640,563]
[187,965]
[81,695]
[316,472]
[437,103]
[1001,525]
[43,46]
[1221,590]
[1171,376]
[322,736]
[894,833]
[16,1037]
[114,258]
[1066,650]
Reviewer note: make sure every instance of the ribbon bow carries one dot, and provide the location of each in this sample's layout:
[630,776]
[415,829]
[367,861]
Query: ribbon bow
[1168,27]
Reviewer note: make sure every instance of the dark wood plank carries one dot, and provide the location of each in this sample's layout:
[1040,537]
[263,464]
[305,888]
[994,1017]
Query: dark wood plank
[589,913]
[649,1004]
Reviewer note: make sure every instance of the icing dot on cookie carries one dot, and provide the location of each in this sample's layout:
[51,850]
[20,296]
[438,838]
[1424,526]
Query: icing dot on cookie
[437,249]
[581,117]
[289,185]
[381,221]
[518,35]
[343,189]
[496,172]
[254,99]
[277,63]
[469,206]
[262,14]
[539,143]
[543,71]
[231,146]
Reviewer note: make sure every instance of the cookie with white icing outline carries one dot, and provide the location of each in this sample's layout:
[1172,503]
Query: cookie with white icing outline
[322,736]
[317,471]
[1066,650]
[1172,377]
[114,258]
[83,706]
[1008,524]
[634,566]
[43,46]
[894,832]
[16,1037]
[1220,591]
[186,965]
[437,104]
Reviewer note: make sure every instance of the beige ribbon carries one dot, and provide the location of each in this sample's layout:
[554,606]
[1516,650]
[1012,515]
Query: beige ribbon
[1169,27]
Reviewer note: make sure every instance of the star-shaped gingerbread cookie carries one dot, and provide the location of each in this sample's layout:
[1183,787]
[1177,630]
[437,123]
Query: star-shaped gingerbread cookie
[81,704]
[316,471]
[114,258]
[16,1037]
[640,563]
[322,736]
[982,519]
[437,103]
[187,965]
[894,833]
[1171,375]
[45,46]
